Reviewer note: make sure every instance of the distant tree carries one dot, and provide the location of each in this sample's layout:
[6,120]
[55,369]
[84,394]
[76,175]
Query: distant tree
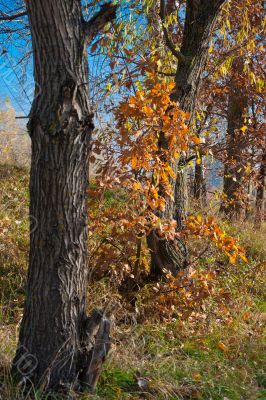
[260,197]
[236,143]
[8,132]
[200,20]
[14,141]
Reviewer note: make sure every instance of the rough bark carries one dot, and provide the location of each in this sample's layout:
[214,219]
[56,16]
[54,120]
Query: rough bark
[236,144]
[260,196]
[59,346]
[199,23]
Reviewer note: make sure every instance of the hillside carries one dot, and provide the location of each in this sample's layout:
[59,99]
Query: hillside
[215,351]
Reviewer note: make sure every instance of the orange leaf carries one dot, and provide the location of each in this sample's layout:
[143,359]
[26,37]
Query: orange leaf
[134,162]
[147,110]
[246,316]
[195,139]
[223,347]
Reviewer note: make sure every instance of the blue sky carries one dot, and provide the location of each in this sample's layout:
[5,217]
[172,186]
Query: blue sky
[18,90]
[16,78]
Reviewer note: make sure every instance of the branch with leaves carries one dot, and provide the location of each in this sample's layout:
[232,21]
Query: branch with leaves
[181,58]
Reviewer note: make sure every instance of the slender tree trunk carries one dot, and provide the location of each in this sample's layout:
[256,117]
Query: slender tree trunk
[58,344]
[260,197]
[199,23]
[236,145]
[248,210]
[200,192]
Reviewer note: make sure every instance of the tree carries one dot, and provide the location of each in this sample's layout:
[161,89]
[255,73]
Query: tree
[200,183]
[236,143]
[260,197]
[200,20]
[153,56]
[8,134]
[58,344]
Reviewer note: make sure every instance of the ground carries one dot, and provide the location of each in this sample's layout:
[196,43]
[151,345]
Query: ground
[215,352]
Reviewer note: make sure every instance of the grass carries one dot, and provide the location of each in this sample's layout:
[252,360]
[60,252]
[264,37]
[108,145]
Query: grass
[14,239]
[214,357]
[183,363]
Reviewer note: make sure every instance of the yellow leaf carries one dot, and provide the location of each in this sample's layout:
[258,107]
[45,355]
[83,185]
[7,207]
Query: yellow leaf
[109,86]
[243,257]
[196,376]
[159,63]
[176,154]
[244,128]
[248,168]
[137,186]
[199,218]
[232,259]
[198,115]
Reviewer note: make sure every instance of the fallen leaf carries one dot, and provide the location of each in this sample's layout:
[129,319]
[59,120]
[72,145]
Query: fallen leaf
[223,347]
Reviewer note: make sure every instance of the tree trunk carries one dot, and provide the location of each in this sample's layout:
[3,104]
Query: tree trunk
[199,23]
[200,192]
[260,197]
[236,145]
[58,344]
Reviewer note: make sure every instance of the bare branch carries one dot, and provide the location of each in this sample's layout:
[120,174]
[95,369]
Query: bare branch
[181,58]
[96,24]
[6,17]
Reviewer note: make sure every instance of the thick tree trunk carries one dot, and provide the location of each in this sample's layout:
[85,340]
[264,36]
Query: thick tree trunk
[200,21]
[260,197]
[58,344]
[236,145]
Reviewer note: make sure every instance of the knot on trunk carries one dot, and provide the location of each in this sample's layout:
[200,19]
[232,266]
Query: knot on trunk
[95,345]
[97,23]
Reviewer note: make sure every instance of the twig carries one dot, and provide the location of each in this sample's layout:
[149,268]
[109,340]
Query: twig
[6,17]
[181,58]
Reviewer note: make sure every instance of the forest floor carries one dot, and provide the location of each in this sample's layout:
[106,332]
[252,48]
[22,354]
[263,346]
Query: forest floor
[205,356]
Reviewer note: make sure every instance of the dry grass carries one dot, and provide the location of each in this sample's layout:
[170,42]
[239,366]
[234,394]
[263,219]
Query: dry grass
[218,357]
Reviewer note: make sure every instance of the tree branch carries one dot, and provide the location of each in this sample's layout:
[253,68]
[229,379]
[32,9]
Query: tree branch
[219,3]
[96,24]
[181,58]
[6,17]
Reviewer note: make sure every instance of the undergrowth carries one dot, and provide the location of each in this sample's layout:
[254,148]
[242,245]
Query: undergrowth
[215,351]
